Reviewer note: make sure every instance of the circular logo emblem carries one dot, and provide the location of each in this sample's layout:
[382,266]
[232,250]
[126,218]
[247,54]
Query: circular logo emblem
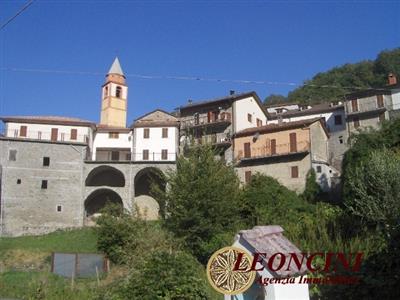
[221,274]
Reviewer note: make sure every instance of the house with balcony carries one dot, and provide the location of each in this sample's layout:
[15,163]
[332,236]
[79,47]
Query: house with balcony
[332,115]
[285,151]
[369,108]
[215,121]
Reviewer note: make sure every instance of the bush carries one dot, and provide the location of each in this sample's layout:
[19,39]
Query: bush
[312,189]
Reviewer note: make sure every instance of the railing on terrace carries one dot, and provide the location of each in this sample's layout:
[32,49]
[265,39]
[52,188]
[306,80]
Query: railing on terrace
[47,136]
[135,157]
[271,150]
[223,117]
[213,139]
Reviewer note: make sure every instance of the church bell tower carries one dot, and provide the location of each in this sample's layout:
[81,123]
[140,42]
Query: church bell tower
[114,97]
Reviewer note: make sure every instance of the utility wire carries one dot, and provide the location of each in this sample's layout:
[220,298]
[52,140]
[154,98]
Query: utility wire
[29,3]
[192,78]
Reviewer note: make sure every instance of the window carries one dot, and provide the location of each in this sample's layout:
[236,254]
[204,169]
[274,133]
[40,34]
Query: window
[164,154]
[259,122]
[356,122]
[146,133]
[46,161]
[295,172]
[105,91]
[247,176]
[62,136]
[146,154]
[113,135]
[59,208]
[118,92]
[74,134]
[18,181]
[273,146]
[23,130]
[12,155]
[338,120]
[249,118]
[293,142]
[128,156]
[44,184]
[319,169]
[247,150]
[39,135]
[54,134]
[381,117]
[341,139]
[165,132]
[379,101]
[115,155]
[354,105]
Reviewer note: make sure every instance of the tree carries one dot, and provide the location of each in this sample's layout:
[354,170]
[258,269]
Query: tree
[201,202]
[275,99]
[312,189]
[375,188]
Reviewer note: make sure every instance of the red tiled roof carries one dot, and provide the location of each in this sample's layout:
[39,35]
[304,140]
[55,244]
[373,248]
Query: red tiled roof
[277,127]
[48,120]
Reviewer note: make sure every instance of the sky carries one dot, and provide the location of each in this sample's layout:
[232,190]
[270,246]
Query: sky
[54,55]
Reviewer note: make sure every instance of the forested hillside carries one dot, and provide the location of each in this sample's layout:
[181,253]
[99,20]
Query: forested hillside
[334,83]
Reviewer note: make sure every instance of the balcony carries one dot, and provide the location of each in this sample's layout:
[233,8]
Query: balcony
[125,156]
[213,119]
[280,150]
[367,111]
[216,139]
[53,136]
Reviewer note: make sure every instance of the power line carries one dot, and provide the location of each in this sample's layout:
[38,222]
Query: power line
[190,78]
[29,3]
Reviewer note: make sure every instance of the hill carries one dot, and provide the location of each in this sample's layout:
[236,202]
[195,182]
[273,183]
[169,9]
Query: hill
[335,83]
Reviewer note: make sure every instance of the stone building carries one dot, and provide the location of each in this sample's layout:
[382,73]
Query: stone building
[285,151]
[59,172]
[216,121]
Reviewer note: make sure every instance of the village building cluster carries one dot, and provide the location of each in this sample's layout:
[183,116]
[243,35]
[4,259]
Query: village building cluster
[58,172]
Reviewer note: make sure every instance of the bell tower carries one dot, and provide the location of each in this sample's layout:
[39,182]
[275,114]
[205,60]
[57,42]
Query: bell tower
[114,97]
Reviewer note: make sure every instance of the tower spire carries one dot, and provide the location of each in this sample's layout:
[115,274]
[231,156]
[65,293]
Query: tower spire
[116,68]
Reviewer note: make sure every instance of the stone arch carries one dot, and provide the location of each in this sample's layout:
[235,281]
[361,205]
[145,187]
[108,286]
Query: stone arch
[98,199]
[105,175]
[146,205]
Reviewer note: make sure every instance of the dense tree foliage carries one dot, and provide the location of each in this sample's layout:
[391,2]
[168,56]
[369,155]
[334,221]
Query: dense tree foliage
[312,189]
[335,83]
[275,99]
[201,202]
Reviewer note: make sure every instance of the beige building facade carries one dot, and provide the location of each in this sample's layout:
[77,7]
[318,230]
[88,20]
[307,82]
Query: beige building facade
[284,151]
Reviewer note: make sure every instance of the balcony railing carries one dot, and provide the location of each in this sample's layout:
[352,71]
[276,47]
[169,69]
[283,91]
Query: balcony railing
[135,157]
[278,150]
[221,118]
[47,136]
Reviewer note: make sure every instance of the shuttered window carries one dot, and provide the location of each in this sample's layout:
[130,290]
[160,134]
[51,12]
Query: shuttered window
[164,154]
[293,142]
[145,154]
[247,150]
[354,105]
[273,146]
[146,133]
[295,172]
[54,134]
[165,132]
[23,130]
[74,134]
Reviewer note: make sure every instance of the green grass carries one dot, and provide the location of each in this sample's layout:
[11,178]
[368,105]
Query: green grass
[78,240]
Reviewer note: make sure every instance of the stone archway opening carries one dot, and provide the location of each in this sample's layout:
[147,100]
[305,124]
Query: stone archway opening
[97,200]
[105,176]
[145,204]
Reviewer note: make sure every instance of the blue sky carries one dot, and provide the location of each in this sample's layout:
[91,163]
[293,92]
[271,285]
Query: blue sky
[277,41]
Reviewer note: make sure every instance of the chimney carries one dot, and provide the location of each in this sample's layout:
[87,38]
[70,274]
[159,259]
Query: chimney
[392,80]
[190,101]
[231,92]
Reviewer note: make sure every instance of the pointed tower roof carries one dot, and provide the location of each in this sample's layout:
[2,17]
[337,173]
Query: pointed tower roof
[116,68]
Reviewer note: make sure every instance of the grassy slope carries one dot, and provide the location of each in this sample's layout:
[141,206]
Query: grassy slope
[25,265]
